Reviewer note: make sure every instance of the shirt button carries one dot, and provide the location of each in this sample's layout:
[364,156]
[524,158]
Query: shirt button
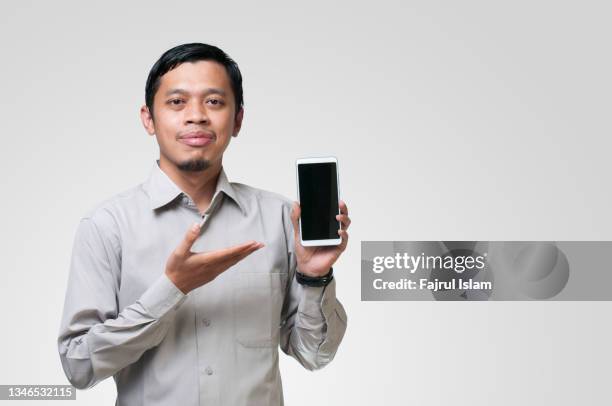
[208,371]
[206,322]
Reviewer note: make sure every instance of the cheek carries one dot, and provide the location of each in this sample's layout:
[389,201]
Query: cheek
[167,125]
[224,122]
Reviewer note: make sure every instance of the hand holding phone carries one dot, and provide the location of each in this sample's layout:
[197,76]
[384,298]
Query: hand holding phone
[321,219]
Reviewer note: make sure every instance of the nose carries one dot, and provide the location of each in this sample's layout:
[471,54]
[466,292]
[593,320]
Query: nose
[196,113]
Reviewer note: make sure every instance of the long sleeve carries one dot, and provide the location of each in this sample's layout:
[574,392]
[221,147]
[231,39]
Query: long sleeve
[96,340]
[313,321]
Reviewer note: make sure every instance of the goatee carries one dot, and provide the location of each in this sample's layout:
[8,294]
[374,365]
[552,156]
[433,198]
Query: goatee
[194,165]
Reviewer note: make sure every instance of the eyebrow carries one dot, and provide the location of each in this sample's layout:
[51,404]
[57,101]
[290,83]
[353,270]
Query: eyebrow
[210,90]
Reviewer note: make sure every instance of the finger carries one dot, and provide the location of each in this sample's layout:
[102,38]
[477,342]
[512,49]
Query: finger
[345,220]
[228,253]
[228,262]
[343,207]
[184,246]
[239,255]
[295,215]
[344,236]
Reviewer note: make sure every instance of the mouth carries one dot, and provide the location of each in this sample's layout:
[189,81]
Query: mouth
[196,138]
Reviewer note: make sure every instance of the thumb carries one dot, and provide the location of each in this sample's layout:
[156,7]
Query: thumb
[295,215]
[192,234]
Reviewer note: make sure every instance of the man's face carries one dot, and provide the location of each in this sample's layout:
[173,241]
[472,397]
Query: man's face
[193,115]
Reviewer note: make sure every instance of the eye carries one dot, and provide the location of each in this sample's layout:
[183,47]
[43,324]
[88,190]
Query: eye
[175,102]
[215,102]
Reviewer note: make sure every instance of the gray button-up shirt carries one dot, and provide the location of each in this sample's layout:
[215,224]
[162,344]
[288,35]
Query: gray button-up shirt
[217,345]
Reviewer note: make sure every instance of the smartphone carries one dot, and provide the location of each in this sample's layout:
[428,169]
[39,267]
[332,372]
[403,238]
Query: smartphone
[319,194]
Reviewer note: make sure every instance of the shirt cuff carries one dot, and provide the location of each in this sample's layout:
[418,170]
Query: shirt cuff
[318,301]
[162,297]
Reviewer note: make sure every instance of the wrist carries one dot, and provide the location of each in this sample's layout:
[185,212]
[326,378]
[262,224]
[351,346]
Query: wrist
[176,281]
[315,281]
[315,273]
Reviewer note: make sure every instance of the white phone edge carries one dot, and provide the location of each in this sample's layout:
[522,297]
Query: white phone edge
[315,160]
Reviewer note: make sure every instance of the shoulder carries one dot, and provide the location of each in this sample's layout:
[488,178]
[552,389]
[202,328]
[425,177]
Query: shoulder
[107,215]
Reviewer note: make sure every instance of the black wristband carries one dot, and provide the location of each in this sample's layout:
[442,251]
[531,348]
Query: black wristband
[315,281]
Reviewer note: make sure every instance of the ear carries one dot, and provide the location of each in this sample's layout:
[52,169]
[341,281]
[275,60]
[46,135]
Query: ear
[147,120]
[238,122]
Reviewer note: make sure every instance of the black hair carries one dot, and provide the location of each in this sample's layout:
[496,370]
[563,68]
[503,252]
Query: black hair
[192,53]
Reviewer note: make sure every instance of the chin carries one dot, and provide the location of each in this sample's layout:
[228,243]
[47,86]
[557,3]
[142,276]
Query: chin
[194,165]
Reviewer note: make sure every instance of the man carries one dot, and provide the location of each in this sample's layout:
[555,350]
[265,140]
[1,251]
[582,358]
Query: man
[174,326]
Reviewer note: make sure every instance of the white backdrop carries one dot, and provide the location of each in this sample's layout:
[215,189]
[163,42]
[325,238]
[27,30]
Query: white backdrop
[451,121]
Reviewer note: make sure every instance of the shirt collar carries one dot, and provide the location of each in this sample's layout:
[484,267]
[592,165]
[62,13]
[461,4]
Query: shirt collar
[162,190]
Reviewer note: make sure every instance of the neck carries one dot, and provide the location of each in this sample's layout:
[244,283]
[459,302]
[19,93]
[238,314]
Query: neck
[200,186]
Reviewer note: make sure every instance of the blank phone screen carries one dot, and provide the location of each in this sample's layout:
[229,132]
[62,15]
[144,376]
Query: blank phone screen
[319,200]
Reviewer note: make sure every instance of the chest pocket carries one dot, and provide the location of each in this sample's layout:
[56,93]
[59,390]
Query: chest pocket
[257,304]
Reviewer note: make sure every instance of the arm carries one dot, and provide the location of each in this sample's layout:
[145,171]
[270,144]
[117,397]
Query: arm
[96,340]
[313,321]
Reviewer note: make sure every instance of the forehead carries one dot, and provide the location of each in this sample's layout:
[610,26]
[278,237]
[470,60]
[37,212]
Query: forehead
[196,76]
